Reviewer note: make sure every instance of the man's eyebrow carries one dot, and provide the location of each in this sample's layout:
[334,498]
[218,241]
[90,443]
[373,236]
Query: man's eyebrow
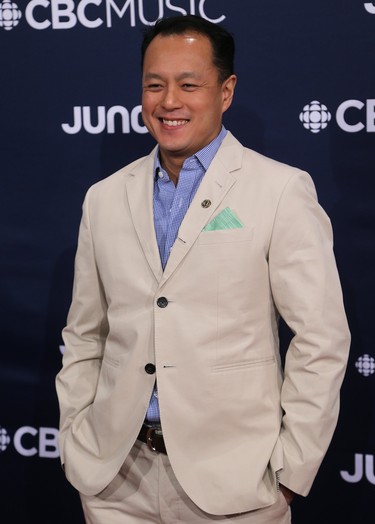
[181,76]
[150,76]
[187,74]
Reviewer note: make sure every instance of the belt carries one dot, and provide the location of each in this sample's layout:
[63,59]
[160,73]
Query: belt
[153,437]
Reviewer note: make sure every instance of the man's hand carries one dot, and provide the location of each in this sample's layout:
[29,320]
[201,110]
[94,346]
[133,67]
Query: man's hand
[288,494]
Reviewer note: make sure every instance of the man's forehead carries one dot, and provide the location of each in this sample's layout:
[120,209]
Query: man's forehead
[194,54]
[189,37]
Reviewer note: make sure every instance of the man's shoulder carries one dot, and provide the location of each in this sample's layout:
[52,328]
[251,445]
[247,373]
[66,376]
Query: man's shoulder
[250,156]
[118,176]
[114,183]
[251,160]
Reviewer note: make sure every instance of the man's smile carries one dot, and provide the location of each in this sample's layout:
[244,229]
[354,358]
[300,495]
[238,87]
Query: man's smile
[173,123]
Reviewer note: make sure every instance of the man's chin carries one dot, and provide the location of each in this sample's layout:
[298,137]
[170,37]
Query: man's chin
[174,150]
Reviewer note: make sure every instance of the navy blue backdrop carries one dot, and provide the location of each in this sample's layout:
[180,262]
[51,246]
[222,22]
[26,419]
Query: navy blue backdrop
[70,115]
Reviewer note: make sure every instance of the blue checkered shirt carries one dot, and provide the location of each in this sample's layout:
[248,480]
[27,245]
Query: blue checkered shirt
[170,205]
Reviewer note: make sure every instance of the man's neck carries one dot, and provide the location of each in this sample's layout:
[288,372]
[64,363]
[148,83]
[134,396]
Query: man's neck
[172,167]
[172,164]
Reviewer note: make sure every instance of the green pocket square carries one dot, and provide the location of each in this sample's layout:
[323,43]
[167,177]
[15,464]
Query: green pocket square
[226,219]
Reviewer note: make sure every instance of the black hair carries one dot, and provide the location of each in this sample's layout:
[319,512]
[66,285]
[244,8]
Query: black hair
[222,41]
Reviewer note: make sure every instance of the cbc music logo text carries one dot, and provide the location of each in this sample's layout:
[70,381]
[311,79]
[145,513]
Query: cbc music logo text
[352,116]
[66,14]
[363,468]
[98,120]
[29,441]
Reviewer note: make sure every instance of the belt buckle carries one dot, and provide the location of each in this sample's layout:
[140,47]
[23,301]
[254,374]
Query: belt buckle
[149,437]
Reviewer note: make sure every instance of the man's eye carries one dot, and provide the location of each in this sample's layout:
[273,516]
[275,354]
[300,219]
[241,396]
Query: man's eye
[153,87]
[189,86]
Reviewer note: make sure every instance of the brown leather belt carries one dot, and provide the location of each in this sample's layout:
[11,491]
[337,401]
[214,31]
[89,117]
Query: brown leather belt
[153,437]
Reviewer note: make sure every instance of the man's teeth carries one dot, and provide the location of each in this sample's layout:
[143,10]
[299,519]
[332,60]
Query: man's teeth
[175,123]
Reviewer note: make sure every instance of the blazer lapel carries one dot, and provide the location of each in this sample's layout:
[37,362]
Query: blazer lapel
[139,187]
[215,185]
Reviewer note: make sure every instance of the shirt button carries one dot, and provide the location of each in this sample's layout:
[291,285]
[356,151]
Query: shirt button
[162,302]
[150,368]
[206,203]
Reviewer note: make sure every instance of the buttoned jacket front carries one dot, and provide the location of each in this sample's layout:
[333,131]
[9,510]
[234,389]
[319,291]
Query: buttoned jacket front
[234,421]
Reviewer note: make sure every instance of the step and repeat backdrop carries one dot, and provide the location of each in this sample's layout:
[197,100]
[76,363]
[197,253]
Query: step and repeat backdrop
[70,94]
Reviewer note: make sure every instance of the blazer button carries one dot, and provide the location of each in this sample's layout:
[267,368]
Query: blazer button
[162,302]
[150,368]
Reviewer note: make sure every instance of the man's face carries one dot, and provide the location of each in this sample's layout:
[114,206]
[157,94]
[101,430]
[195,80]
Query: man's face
[183,101]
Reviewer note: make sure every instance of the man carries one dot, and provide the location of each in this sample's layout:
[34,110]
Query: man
[186,259]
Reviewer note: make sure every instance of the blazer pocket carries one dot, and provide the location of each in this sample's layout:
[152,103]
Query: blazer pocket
[222,236]
[235,366]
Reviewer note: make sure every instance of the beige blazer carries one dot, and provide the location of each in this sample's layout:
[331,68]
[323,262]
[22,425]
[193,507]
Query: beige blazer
[231,417]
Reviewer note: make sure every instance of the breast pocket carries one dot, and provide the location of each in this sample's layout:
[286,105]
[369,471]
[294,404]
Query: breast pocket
[221,236]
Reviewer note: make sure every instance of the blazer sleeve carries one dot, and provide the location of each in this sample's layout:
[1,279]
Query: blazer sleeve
[84,336]
[307,294]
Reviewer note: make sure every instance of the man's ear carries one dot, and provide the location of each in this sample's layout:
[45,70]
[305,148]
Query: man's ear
[228,87]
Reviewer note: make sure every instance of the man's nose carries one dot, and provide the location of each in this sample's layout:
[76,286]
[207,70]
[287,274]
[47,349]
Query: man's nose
[171,99]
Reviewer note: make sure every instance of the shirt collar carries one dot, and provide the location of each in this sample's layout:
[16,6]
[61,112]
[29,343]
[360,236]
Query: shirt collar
[204,155]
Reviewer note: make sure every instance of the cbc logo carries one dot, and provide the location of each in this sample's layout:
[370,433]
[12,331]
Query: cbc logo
[65,14]
[315,116]
[352,116]
[370,7]
[104,120]
[4,439]
[363,468]
[29,441]
[365,365]
[10,15]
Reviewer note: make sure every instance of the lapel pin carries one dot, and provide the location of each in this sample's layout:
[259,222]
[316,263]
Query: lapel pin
[206,203]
